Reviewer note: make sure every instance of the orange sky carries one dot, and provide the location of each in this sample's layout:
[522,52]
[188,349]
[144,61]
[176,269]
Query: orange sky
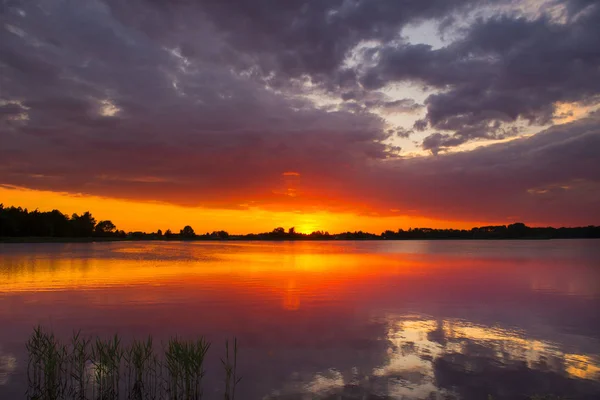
[149,217]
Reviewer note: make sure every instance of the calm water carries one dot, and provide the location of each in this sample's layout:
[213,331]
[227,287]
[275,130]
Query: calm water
[417,319]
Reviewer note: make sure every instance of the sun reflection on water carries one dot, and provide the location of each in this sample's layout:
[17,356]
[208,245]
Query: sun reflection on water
[22,274]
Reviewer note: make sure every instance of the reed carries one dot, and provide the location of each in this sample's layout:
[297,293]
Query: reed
[142,370]
[107,358]
[230,366]
[46,369]
[98,369]
[184,363]
[79,362]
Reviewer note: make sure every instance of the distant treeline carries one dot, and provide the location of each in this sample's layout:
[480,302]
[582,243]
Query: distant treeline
[16,222]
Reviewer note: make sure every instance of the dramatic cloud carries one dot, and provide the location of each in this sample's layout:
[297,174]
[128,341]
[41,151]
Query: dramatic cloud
[551,176]
[505,68]
[295,105]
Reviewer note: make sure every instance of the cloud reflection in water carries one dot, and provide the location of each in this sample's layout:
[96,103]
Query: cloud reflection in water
[454,359]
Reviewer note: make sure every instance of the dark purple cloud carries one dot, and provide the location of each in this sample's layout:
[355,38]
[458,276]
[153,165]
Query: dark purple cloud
[205,103]
[504,69]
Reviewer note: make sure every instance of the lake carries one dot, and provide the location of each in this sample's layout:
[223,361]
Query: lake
[330,320]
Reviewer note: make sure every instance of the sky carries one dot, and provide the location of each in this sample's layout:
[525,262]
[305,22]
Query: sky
[335,115]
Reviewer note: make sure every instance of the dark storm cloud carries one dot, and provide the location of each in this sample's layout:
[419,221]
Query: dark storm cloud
[192,103]
[313,37]
[505,68]
[126,116]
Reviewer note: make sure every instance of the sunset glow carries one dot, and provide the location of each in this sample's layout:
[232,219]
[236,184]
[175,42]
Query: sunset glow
[151,216]
[307,114]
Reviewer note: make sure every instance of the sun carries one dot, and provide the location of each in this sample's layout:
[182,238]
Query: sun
[307,228]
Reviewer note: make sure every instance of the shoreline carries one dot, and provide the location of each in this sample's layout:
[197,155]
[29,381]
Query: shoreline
[25,240]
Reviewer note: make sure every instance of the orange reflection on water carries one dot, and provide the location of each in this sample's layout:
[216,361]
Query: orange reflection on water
[582,366]
[268,269]
[291,298]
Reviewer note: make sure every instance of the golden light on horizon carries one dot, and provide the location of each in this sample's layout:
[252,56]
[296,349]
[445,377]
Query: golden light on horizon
[150,216]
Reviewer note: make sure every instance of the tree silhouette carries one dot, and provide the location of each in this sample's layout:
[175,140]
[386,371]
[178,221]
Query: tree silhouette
[277,233]
[83,225]
[517,230]
[219,235]
[20,222]
[187,232]
[105,228]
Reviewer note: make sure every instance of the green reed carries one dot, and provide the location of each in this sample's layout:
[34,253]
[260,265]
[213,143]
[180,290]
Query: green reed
[143,369]
[78,366]
[97,369]
[107,359]
[184,363]
[46,369]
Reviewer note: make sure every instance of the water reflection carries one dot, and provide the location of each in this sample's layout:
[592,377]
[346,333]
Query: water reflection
[8,364]
[454,359]
[329,320]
